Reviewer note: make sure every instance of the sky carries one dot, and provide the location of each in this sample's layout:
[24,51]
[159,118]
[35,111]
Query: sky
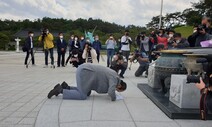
[122,12]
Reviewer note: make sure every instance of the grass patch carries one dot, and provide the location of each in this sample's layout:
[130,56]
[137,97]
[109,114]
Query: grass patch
[185,30]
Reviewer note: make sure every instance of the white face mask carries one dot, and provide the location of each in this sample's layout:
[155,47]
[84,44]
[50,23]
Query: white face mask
[72,38]
[75,39]
[194,31]
[171,35]
[76,55]
[177,41]
[160,34]
[96,39]
[47,31]
[31,35]
[61,37]
[82,38]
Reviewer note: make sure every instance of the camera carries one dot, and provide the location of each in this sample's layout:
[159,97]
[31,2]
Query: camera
[201,27]
[196,79]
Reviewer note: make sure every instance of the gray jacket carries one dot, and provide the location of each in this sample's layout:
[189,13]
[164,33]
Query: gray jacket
[98,78]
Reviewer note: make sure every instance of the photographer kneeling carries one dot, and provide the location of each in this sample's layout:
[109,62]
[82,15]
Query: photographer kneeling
[119,63]
[143,60]
[89,53]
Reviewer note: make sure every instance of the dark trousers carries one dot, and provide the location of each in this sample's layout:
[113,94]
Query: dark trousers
[27,56]
[126,54]
[98,55]
[69,56]
[110,53]
[47,51]
[141,70]
[59,60]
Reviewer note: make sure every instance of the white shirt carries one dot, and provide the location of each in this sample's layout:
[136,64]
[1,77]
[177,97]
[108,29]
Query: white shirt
[125,39]
[31,42]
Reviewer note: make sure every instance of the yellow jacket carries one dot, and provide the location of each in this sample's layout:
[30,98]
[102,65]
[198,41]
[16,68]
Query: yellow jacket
[48,41]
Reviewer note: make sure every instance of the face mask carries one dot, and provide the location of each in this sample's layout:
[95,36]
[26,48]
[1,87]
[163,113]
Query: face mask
[72,38]
[171,35]
[47,31]
[82,38]
[61,37]
[75,39]
[76,55]
[160,34]
[177,41]
[31,35]
[111,37]
[97,39]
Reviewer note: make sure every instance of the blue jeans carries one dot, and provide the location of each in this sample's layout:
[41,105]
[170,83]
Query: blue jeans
[51,56]
[110,53]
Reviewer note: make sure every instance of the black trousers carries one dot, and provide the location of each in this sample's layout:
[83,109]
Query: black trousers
[141,70]
[69,56]
[27,56]
[59,60]
[98,55]
[51,56]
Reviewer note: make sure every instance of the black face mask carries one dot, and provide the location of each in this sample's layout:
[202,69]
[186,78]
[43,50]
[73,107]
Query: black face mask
[127,34]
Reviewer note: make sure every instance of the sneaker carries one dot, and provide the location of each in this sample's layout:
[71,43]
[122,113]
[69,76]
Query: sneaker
[55,91]
[46,66]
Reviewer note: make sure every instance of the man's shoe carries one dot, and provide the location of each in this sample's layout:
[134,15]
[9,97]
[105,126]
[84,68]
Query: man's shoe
[55,91]
[56,87]
[65,85]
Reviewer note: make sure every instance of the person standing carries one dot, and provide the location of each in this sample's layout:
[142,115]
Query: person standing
[110,45]
[144,43]
[162,38]
[29,47]
[70,48]
[82,42]
[97,46]
[47,39]
[61,50]
[126,41]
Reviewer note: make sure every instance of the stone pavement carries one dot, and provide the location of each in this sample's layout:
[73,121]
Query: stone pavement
[23,101]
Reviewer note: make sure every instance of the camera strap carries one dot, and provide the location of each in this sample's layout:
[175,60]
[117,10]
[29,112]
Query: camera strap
[203,102]
[203,110]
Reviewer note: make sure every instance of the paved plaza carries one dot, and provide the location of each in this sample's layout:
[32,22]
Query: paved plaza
[24,103]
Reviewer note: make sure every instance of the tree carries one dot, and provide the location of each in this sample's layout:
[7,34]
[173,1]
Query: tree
[4,39]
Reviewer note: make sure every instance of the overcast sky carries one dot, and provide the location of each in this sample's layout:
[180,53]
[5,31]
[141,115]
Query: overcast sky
[123,12]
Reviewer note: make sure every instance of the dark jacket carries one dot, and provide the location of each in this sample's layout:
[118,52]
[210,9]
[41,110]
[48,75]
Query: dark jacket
[182,44]
[61,45]
[28,43]
[97,46]
[202,37]
[75,46]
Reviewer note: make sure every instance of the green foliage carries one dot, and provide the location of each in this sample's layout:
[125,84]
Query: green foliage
[185,30]
[4,39]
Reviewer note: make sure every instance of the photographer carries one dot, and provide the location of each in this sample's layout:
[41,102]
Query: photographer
[143,60]
[119,63]
[89,53]
[202,35]
[125,42]
[144,46]
[47,39]
[179,42]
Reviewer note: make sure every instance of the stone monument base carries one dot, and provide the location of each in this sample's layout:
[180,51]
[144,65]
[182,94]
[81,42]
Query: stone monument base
[170,109]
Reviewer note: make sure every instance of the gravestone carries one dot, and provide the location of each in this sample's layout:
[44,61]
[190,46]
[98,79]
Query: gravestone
[182,94]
